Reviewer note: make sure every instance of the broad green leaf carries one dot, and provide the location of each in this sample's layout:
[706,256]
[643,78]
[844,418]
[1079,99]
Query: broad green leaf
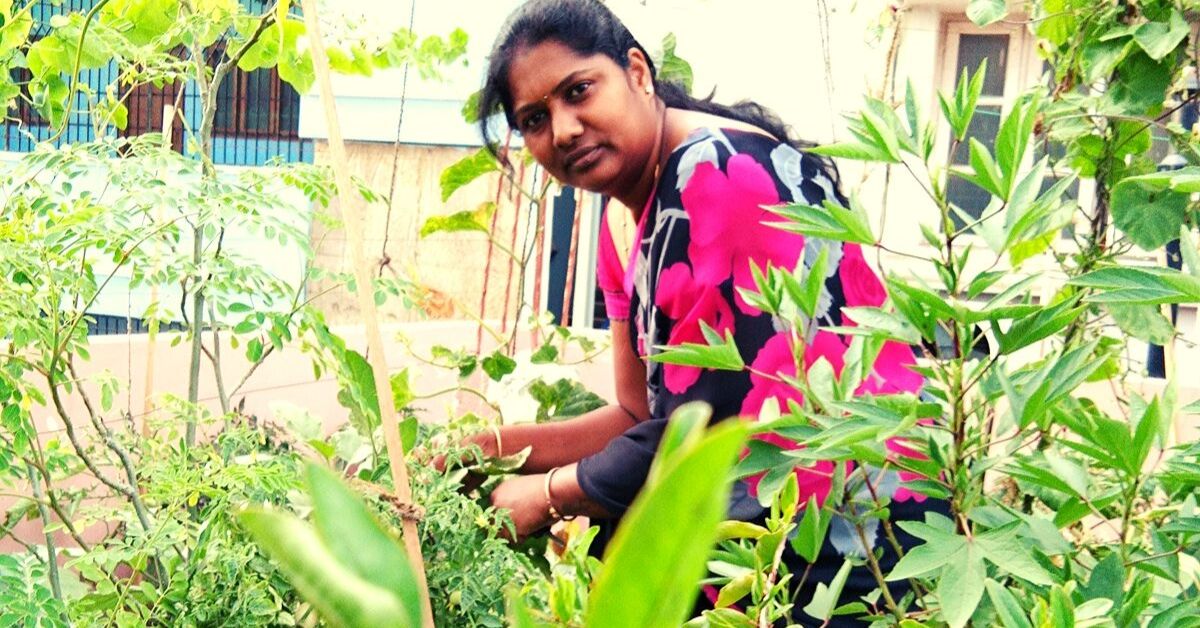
[498,365]
[401,389]
[925,560]
[1146,285]
[960,587]
[810,534]
[1008,610]
[1149,215]
[723,356]
[665,537]
[1159,39]
[1003,548]
[1012,141]
[467,170]
[478,219]
[672,68]
[1107,580]
[1144,322]
[984,12]
[825,598]
[987,174]
[1140,84]
[340,595]
[356,539]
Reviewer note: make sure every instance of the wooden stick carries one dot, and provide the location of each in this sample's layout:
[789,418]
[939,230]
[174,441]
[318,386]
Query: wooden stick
[569,288]
[352,213]
[168,125]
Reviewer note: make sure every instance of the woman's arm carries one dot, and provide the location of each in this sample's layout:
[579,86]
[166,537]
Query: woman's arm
[564,443]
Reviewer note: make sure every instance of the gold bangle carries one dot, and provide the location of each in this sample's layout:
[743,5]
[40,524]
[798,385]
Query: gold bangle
[554,513]
[499,442]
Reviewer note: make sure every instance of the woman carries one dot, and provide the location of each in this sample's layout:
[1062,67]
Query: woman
[582,92]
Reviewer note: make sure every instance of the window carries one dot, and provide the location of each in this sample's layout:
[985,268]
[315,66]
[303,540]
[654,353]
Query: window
[256,104]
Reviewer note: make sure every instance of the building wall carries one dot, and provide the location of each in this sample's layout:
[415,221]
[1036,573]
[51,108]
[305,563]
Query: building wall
[450,264]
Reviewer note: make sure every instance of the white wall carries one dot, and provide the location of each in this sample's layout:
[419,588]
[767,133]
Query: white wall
[767,50]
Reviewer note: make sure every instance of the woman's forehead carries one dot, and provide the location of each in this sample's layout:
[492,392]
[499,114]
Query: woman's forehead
[536,71]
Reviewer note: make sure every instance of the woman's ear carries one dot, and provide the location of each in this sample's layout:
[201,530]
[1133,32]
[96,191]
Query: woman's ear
[639,71]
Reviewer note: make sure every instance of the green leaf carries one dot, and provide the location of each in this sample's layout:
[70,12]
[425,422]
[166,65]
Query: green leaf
[345,565]
[1189,251]
[1140,85]
[886,324]
[810,534]
[546,354]
[984,12]
[925,560]
[356,539]
[960,587]
[1159,39]
[665,537]
[478,219]
[498,365]
[832,221]
[340,595]
[1144,322]
[1003,548]
[739,530]
[401,389]
[1008,610]
[721,356]
[1139,285]
[1107,580]
[467,170]
[1045,323]
[672,68]
[1149,215]
[825,598]
[850,150]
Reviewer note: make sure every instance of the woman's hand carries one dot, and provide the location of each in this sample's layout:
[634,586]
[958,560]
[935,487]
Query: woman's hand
[525,500]
[485,440]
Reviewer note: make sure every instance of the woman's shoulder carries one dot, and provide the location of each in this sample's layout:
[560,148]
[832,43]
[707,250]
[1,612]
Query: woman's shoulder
[804,175]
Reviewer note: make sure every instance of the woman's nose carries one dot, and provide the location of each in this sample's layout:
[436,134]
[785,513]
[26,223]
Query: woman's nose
[567,128]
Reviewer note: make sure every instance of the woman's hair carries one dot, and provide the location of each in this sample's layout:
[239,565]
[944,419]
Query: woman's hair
[588,27]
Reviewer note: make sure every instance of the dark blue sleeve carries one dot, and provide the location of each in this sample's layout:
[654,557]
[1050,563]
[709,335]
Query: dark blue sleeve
[613,477]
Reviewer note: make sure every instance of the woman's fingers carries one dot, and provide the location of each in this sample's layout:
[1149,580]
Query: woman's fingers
[523,499]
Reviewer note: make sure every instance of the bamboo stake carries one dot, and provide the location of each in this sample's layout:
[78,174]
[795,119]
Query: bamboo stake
[352,214]
[168,125]
[569,288]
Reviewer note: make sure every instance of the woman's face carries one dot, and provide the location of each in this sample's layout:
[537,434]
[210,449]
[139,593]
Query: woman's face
[587,120]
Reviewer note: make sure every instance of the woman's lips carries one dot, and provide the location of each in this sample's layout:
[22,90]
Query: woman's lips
[581,159]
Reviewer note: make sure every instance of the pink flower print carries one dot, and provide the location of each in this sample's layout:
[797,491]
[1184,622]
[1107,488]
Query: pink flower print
[726,222]
[891,373]
[687,302]
[775,358]
[860,284]
[898,448]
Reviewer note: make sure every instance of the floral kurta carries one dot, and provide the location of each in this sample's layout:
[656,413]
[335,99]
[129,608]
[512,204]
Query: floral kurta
[696,240]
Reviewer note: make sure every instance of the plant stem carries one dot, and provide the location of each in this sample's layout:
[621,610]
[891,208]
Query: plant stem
[51,553]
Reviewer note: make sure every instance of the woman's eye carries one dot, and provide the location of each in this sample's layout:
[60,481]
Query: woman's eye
[532,121]
[577,90]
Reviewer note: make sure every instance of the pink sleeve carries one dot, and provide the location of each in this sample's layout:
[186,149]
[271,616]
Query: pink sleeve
[610,275]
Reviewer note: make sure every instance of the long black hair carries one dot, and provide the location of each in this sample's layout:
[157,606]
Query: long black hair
[588,27]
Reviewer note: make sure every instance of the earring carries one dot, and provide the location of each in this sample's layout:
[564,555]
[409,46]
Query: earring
[649,89]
